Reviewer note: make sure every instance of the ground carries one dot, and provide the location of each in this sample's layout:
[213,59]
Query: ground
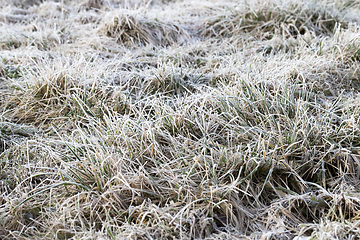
[211,119]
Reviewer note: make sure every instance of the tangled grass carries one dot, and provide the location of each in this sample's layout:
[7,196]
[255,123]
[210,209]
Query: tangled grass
[179,119]
[129,28]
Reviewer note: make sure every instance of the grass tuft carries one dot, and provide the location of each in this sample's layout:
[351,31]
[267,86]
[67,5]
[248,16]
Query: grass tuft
[134,27]
[263,20]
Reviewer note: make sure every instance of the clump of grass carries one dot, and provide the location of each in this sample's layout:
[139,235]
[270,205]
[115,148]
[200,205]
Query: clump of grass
[38,37]
[50,91]
[172,81]
[264,20]
[134,27]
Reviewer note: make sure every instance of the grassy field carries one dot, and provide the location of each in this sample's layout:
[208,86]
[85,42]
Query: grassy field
[160,119]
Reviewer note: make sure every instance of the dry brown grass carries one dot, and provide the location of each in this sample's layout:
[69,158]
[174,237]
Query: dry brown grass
[179,119]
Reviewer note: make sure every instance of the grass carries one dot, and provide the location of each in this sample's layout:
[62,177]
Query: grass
[179,119]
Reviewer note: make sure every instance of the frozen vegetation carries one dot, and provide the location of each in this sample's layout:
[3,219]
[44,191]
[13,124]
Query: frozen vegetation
[183,119]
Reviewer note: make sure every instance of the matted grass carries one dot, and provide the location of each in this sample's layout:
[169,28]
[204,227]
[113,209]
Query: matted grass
[179,119]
